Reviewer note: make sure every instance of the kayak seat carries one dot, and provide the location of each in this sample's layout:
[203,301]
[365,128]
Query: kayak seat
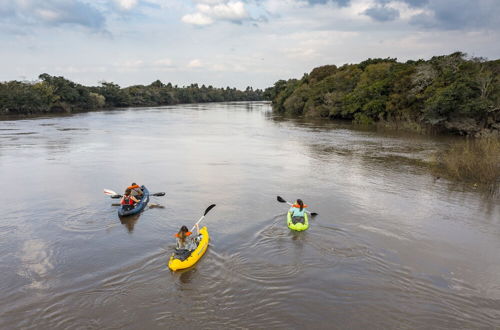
[182,254]
[296,220]
[127,207]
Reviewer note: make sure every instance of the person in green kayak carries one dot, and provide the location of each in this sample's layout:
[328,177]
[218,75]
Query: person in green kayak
[297,211]
[184,239]
[128,201]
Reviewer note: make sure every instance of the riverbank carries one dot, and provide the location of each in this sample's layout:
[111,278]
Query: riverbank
[453,94]
[57,95]
[475,161]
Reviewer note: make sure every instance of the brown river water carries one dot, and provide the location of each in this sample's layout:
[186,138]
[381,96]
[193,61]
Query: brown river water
[392,247]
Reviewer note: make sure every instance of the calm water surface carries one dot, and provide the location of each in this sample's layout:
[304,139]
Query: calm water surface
[391,248]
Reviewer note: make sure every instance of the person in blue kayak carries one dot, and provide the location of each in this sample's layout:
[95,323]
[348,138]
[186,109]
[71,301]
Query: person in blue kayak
[297,211]
[135,190]
[128,201]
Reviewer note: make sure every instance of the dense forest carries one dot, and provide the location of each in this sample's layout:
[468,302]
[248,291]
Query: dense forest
[56,94]
[450,93]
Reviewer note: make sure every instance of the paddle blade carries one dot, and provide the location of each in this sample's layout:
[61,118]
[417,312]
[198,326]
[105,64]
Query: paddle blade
[116,196]
[313,214]
[281,200]
[109,192]
[208,209]
[158,194]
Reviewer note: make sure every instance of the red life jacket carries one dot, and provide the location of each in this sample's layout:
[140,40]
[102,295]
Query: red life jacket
[127,201]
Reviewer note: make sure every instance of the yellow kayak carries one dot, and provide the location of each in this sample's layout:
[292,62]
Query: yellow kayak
[176,264]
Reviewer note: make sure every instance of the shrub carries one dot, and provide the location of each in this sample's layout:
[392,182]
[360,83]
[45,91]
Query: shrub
[473,160]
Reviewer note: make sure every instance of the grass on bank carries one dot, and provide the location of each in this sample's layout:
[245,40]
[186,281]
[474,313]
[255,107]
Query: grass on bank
[471,160]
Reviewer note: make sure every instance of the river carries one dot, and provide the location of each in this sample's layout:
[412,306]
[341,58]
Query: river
[392,247]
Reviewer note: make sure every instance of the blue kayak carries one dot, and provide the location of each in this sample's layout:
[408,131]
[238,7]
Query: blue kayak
[138,207]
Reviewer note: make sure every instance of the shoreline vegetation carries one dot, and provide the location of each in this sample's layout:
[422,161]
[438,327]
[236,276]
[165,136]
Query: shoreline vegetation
[450,94]
[58,95]
[473,161]
[446,94]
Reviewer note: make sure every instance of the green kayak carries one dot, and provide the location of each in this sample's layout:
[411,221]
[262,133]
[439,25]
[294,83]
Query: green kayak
[297,226]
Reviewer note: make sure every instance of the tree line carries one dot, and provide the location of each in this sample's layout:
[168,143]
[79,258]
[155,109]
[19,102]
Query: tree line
[57,94]
[453,93]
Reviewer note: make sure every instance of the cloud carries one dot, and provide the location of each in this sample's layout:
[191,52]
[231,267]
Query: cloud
[440,14]
[163,62]
[459,15]
[197,19]
[341,3]
[194,64]
[52,13]
[210,11]
[126,4]
[7,9]
[382,13]
[415,3]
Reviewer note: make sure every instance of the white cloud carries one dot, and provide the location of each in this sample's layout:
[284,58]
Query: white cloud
[163,62]
[24,15]
[127,4]
[210,11]
[48,15]
[133,63]
[197,19]
[210,2]
[195,64]
[229,11]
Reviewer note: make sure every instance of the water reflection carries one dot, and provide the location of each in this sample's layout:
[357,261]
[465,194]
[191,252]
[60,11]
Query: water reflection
[186,275]
[130,221]
[36,259]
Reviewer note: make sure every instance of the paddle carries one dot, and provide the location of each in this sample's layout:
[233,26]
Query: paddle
[281,200]
[151,205]
[204,214]
[113,194]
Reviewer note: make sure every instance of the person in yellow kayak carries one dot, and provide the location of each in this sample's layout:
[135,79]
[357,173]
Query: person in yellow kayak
[185,241]
[297,211]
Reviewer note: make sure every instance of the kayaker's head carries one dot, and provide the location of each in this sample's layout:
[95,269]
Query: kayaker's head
[183,233]
[134,184]
[300,203]
[127,192]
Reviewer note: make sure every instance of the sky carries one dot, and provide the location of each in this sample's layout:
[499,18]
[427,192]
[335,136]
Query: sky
[236,43]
